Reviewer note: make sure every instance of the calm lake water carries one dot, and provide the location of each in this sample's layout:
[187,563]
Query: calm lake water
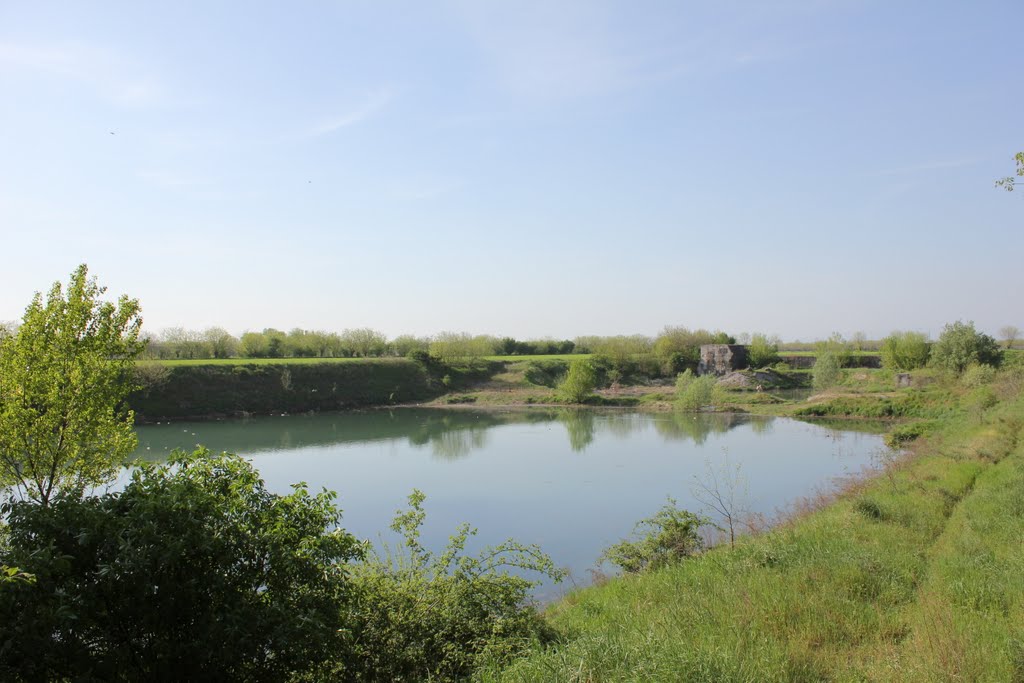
[573,481]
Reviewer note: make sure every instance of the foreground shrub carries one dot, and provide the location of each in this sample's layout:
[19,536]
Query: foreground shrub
[423,617]
[195,570]
[695,393]
[671,535]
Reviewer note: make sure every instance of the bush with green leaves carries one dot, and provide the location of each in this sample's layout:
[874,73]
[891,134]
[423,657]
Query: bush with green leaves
[763,351]
[905,351]
[678,348]
[580,381]
[977,376]
[827,371]
[421,616]
[960,346]
[670,535]
[836,346]
[695,393]
[194,571]
[545,373]
[683,380]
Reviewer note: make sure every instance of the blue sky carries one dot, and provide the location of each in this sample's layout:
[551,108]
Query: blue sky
[522,168]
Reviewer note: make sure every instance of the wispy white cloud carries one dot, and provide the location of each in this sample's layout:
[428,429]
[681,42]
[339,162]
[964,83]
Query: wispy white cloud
[552,51]
[373,103]
[547,49]
[113,76]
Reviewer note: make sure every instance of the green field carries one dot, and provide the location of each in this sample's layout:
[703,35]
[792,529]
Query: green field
[314,361]
[265,361]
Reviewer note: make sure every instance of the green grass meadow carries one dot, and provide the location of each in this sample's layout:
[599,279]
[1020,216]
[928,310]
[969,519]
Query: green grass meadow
[264,361]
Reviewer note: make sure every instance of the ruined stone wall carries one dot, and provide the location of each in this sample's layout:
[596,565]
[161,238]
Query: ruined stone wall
[721,359]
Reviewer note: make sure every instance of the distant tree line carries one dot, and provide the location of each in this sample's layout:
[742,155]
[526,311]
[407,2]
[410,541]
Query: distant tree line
[674,349]
[677,346]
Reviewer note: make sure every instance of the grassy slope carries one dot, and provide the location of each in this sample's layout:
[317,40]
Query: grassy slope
[968,621]
[912,576]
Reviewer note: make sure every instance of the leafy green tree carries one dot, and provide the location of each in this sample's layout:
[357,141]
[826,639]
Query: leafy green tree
[405,344]
[194,572]
[483,345]
[220,342]
[364,341]
[450,346]
[580,381]
[960,346]
[827,370]
[300,344]
[905,351]
[276,342]
[763,351]
[1008,183]
[253,345]
[179,343]
[623,350]
[64,377]
[507,346]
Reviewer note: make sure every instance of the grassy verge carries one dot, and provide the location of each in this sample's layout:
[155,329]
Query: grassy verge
[915,575]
